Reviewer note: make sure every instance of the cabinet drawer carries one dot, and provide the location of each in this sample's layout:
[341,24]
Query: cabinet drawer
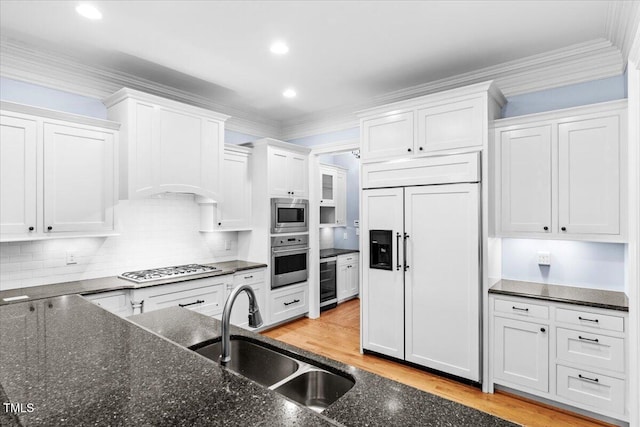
[348,259]
[519,308]
[248,277]
[591,390]
[591,349]
[207,300]
[590,320]
[289,303]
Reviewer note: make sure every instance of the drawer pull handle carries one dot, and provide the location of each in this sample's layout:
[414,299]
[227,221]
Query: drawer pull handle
[200,301]
[595,380]
[587,339]
[519,308]
[248,277]
[587,320]
[292,302]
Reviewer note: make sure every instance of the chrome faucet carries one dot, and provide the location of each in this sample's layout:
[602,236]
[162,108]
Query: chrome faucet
[255,319]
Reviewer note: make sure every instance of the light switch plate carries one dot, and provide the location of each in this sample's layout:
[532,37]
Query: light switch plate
[544,258]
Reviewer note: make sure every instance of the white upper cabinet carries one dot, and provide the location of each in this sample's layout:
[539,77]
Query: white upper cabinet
[18,162]
[387,135]
[333,196]
[167,146]
[288,174]
[233,211]
[58,174]
[450,120]
[562,174]
[451,125]
[526,179]
[79,190]
[589,176]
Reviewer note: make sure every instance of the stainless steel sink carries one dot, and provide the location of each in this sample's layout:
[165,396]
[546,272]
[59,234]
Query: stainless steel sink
[253,361]
[302,382]
[315,389]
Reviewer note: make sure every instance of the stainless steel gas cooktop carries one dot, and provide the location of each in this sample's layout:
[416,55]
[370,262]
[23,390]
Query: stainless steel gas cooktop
[167,272]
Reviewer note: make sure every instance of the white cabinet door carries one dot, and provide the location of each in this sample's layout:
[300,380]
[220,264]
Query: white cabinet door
[234,210]
[521,353]
[18,163]
[341,198]
[279,173]
[298,175]
[353,282]
[139,172]
[240,310]
[328,190]
[589,176]
[451,125]
[525,160]
[442,281]
[78,179]
[383,290]
[342,280]
[387,136]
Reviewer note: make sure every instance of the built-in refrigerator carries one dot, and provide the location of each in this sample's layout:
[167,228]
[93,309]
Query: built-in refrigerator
[422,276]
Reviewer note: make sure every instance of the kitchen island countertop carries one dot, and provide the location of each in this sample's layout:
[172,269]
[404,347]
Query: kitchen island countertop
[79,364]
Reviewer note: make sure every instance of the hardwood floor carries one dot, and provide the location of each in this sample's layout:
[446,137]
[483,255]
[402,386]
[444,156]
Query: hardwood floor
[336,335]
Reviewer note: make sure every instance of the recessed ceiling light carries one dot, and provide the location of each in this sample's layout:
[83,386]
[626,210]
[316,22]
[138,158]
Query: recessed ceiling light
[289,93]
[279,48]
[89,11]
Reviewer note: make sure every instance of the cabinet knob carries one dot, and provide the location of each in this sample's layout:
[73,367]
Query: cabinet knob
[545,228]
[219,224]
[421,148]
[49,228]
[30,228]
[543,330]
[563,228]
[409,149]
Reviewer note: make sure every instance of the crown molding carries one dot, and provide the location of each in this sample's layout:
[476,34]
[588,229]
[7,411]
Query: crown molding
[25,62]
[623,20]
[578,63]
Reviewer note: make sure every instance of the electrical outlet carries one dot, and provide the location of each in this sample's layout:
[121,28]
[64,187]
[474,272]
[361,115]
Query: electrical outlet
[227,245]
[544,258]
[345,236]
[71,258]
[357,231]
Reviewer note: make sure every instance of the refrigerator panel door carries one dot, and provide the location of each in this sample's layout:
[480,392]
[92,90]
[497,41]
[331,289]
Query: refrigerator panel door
[442,279]
[382,322]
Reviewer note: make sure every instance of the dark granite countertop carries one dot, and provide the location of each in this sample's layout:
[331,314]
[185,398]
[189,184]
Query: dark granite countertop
[331,252]
[106,284]
[566,294]
[78,364]
[373,401]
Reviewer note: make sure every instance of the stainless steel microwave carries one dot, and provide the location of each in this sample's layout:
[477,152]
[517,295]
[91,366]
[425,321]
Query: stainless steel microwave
[289,215]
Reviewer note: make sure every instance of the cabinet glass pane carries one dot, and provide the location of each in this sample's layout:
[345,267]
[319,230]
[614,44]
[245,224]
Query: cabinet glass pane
[327,187]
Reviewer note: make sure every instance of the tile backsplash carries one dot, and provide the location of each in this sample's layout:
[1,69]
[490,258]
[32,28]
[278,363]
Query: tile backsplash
[154,232]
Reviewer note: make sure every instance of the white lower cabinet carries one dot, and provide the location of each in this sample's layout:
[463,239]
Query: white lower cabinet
[240,310]
[117,302]
[288,302]
[521,353]
[571,354]
[347,276]
[205,296]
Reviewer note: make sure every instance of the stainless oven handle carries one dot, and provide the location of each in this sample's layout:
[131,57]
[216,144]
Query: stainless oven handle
[281,251]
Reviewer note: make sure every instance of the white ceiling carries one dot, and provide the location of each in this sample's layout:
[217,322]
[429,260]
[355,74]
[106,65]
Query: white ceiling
[341,52]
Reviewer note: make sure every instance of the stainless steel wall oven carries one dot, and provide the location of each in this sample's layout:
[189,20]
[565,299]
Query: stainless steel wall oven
[289,260]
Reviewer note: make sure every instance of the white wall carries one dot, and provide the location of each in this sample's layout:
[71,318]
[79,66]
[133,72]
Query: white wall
[155,232]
